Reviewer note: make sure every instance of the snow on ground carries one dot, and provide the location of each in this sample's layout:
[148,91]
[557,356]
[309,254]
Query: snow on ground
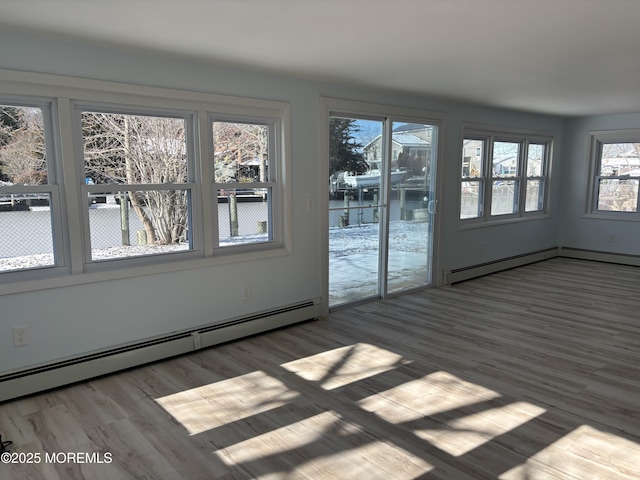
[404,236]
[112,253]
[353,256]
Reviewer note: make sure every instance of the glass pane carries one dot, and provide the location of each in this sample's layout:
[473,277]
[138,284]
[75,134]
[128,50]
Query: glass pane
[620,159]
[535,159]
[472,158]
[505,159]
[240,152]
[355,155]
[616,195]
[243,216]
[137,223]
[471,199]
[503,197]
[533,202]
[410,210]
[26,226]
[22,146]
[354,246]
[133,149]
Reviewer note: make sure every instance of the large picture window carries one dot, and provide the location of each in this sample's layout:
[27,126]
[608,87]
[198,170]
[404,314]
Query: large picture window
[616,173]
[504,175]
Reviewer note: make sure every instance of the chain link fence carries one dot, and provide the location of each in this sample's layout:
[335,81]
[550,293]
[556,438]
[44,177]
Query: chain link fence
[243,216]
[26,225]
[117,223]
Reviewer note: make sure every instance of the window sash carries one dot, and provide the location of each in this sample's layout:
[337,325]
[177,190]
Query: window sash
[50,189]
[616,194]
[272,185]
[130,243]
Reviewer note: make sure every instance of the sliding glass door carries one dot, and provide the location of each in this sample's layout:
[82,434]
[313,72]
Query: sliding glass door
[381,206]
[355,208]
[411,206]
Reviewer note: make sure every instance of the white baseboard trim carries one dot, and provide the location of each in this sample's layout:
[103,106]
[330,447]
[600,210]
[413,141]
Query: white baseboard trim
[619,258]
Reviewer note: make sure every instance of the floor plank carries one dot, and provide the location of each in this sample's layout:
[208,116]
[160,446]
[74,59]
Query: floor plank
[531,373]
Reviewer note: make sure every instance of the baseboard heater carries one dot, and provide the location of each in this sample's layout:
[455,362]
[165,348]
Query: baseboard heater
[52,375]
[607,257]
[479,270]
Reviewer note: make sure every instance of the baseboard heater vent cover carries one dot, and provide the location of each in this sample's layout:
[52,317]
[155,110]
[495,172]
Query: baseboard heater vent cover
[44,377]
[467,273]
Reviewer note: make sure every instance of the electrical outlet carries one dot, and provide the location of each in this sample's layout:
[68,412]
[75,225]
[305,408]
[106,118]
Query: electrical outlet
[611,238]
[20,336]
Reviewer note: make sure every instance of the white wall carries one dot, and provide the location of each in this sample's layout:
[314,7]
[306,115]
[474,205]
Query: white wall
[73,320]
[578,230]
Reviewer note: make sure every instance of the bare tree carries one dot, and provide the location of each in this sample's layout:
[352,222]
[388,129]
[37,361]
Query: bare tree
[236,146]
[22,149]
[139,150]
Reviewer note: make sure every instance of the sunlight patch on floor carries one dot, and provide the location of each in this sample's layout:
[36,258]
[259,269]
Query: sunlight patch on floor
[345,365]
[300,449]
[210,406]
[470,432]
[429,395]
[584,453]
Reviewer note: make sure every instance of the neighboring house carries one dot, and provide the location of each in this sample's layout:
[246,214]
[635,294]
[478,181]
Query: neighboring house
[411,146]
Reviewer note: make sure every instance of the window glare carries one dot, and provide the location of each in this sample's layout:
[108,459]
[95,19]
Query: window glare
[535,159]
[505,159]
[620,159]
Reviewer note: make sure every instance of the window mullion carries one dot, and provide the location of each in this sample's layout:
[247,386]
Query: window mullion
[71,162]
[522,177]
[488,184]
[209,216]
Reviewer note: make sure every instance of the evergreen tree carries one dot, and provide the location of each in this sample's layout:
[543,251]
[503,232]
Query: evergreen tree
[344,150]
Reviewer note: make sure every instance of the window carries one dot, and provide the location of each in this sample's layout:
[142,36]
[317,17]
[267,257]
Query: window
[244,182]
[504,175]
[29,197]
[616,173]
[106,181]
[136,183]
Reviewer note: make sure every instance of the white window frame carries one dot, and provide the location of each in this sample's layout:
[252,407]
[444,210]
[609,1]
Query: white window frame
[66,95]
[195,249]
[524,138]
[52,188]
[597,140]
[273,184]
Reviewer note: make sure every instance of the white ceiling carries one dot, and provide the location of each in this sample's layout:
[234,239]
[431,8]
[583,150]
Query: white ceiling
[567,57]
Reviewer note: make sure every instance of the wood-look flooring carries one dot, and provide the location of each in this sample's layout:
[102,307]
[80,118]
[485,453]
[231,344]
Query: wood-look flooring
[532,373]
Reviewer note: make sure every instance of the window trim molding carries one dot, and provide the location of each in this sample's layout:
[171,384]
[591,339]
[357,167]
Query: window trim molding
[596,137]
[64,93]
